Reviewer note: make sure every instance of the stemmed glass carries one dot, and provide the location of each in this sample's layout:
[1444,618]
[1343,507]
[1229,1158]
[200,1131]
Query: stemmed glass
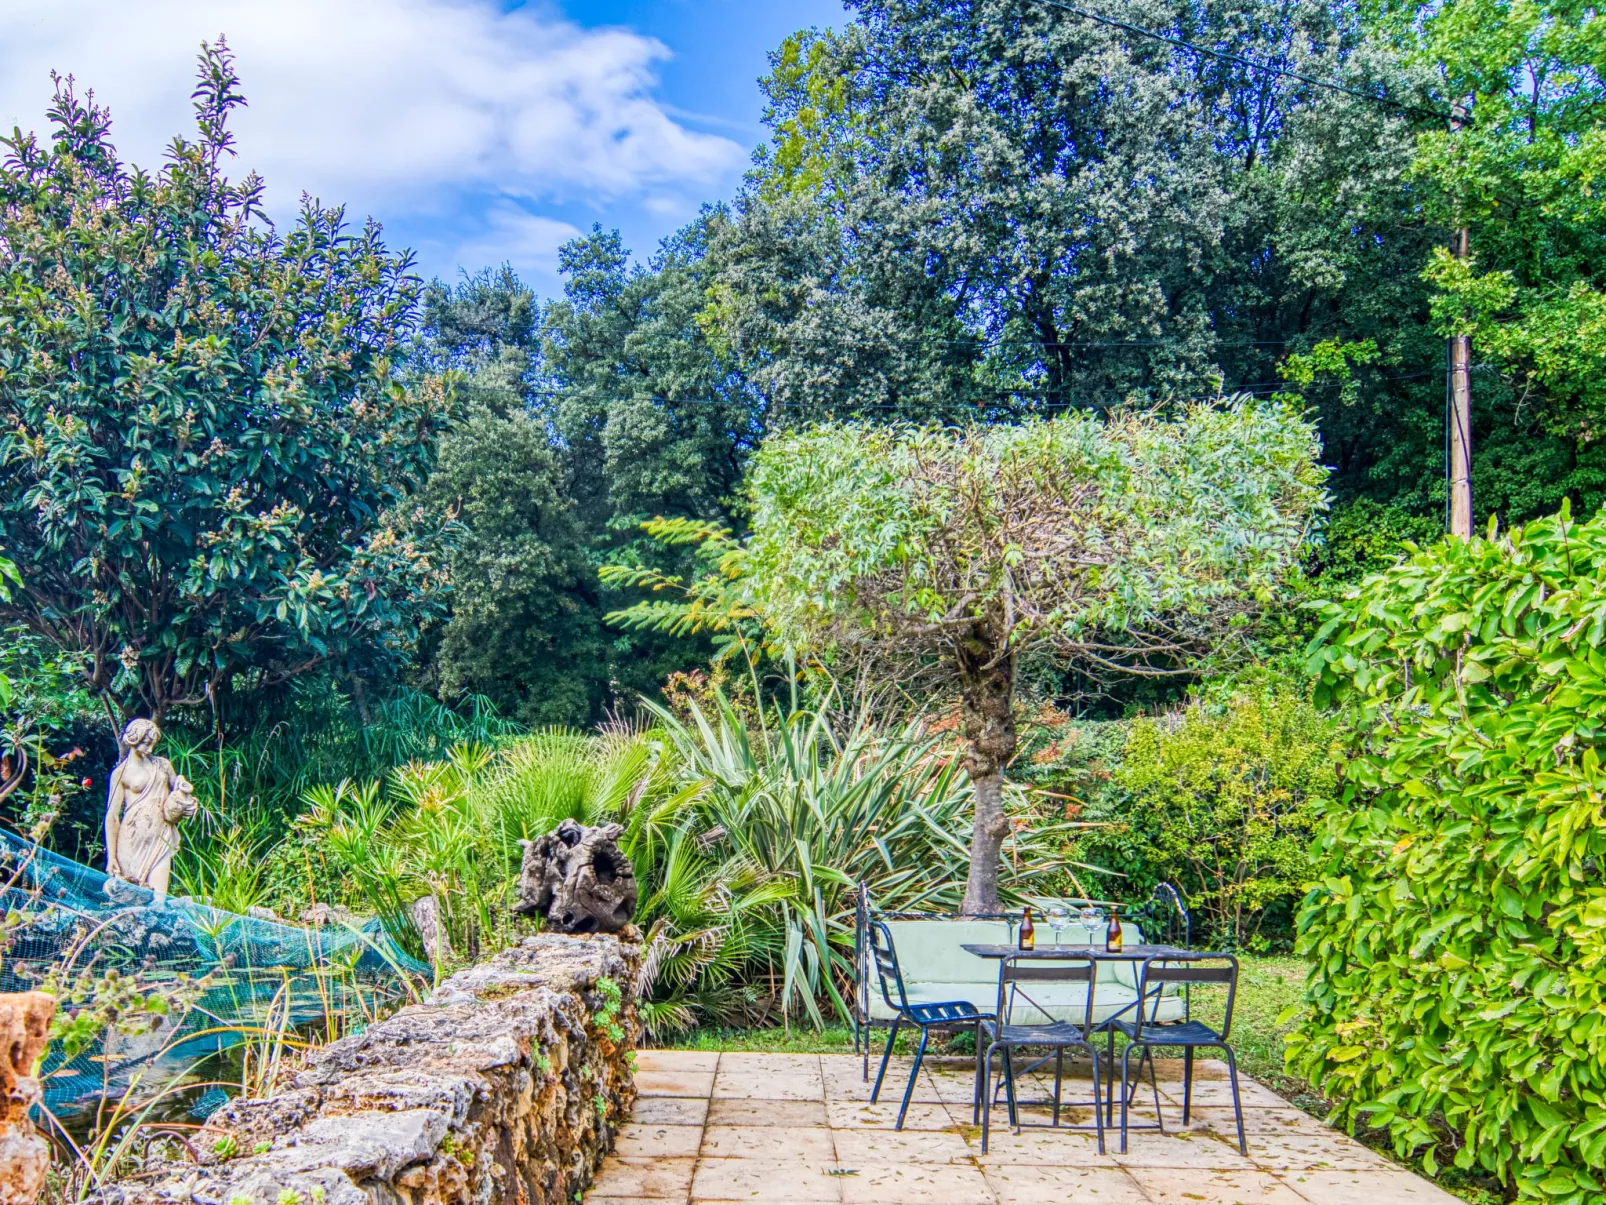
[1092,920]
[1058,918]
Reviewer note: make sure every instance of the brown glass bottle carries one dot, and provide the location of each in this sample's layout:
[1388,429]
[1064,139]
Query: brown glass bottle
[1112,935]
[1028,932]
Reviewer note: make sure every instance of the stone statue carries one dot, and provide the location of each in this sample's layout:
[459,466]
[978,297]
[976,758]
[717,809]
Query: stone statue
[145,802]
[577,881]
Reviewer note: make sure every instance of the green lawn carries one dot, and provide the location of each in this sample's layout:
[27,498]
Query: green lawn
[1266,988]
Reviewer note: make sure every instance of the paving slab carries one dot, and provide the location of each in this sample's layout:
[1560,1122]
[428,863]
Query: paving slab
[755,1085]
[675,1083]
[1394,1186]
[1036,1184]
[858,1114]
[762,1180]
[917,1184]
[672,1110]
[756,1111]
[676,1060]
[658,1179]
[772,1143]
[859,1146]
[762,1129]
[658,1141]
[1175,1186]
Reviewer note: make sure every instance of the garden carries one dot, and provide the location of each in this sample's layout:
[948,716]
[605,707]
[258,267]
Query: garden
[1030,488]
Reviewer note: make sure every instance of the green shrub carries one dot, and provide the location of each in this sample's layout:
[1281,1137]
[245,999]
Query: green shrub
[1220,799]
[1458,928]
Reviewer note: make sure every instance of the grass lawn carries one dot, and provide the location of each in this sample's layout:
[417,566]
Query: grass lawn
[1266,989]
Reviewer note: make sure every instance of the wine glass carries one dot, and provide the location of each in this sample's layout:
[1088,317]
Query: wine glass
[1092,921]
[1058,918]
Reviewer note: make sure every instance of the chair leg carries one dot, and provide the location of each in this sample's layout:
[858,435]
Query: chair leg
[1159,1117]
[875,1093]
[1187,1083]
[1126,1066]
[987,1096]
[1059,1073]
[980,1088]
[908,1093]
[1098,1108]
[1237,1106]
[1009,1088]
[1109,1086]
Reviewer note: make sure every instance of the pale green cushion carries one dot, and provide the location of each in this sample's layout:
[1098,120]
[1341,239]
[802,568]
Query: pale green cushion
[929,950]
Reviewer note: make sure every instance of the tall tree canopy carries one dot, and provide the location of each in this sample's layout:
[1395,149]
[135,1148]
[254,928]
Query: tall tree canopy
[1123,546]
[205,448]
[587,417]
[1521,174]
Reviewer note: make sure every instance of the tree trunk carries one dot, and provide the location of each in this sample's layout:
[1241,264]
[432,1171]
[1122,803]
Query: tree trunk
[359,696]
[987,695]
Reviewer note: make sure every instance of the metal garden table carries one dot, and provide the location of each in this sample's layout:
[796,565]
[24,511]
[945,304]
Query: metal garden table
[1135,953]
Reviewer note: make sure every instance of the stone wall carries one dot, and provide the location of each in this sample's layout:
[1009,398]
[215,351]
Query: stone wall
[504,1088]
[24,1154]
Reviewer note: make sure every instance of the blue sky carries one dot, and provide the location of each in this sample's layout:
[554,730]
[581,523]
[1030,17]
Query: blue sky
[475,130]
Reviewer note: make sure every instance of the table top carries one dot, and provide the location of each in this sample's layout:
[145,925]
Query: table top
[1132,953]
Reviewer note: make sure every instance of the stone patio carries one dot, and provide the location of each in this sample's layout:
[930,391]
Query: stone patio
[798,1128]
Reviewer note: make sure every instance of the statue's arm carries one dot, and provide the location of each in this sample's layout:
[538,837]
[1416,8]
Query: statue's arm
[114,819]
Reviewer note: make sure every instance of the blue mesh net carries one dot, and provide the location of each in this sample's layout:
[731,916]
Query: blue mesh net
[258,975]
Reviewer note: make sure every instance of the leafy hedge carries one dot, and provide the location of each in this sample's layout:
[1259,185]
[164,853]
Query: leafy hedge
[1220,800]
[1458,926]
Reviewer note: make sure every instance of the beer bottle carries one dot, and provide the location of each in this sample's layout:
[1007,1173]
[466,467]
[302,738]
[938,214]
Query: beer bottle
[1028,934]
[1112,935]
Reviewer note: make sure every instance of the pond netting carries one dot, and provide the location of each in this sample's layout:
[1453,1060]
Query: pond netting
[238,978]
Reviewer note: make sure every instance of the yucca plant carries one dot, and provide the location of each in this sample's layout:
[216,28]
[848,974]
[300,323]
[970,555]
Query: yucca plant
[748,833]
[805,804]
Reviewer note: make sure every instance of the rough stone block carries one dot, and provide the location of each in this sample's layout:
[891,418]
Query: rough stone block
[506,1087]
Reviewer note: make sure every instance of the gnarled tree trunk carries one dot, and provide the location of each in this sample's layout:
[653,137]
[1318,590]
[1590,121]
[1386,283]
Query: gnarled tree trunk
[987,695]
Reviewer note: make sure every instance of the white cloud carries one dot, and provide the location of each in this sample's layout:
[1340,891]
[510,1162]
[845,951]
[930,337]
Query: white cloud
[505,232]
[389,105]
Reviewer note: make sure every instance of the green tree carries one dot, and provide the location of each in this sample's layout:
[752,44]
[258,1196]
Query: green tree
[525,627]
[206,450]
[1521,174]
[659,420]
[1123,547]
[588,416]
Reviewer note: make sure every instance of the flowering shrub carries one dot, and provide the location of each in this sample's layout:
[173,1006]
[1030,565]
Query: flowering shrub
[1458,927]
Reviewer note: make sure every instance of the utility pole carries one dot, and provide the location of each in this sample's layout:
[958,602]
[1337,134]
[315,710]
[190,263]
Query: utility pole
[1459,411]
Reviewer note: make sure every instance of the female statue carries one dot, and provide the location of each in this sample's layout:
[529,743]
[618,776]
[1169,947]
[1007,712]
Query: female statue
[144,803]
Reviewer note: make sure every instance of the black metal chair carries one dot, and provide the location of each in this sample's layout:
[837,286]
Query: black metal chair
[1005,1034]
[1188,1035]
[943,1014]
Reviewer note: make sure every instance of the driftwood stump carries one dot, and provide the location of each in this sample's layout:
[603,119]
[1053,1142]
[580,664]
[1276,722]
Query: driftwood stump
[577,881]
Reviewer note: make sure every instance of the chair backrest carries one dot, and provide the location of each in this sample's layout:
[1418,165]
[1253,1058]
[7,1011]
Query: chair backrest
[1184,971]
[1012,972]
[1165,918]
[884,956]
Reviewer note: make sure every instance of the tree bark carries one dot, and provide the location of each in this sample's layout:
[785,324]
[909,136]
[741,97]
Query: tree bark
[987,696]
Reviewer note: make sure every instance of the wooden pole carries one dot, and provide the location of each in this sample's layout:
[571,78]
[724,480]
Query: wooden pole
[1459,416]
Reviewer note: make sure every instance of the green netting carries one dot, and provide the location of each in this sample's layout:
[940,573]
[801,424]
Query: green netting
[263,975]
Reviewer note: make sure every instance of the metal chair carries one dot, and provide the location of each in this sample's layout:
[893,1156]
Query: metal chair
[1187,1034]
[926,1016]
[1005,1034]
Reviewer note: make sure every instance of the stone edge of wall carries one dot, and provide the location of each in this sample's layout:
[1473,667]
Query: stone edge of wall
[505,1087]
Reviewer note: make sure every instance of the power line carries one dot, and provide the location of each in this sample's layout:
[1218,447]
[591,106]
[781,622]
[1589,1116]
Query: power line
[1238,59]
